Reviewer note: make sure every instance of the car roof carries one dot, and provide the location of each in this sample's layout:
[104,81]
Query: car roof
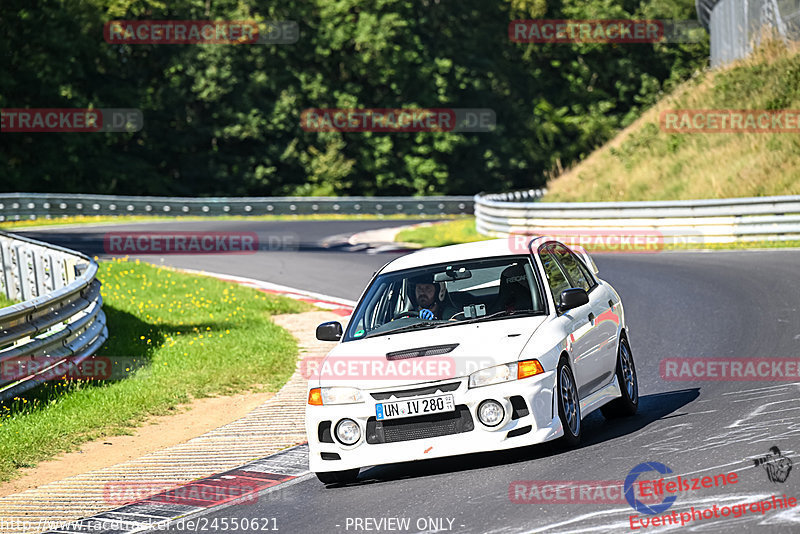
[467,251]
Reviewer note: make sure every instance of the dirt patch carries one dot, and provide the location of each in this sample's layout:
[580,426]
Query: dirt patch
[192,420]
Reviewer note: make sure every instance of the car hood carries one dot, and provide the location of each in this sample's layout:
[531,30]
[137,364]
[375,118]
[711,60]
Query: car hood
[364,364]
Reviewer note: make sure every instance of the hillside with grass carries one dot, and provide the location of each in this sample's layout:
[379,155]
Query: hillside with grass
[645,163]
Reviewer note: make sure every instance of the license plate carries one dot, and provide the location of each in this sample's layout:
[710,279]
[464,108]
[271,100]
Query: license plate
[414,407]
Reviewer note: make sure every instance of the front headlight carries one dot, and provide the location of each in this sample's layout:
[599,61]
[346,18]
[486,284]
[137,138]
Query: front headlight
[493,375]
[341,395]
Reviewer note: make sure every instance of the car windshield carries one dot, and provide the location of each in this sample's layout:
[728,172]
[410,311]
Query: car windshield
[447,294]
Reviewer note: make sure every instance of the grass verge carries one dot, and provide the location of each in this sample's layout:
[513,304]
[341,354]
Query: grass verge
[441,234]
[192,336]
[463,231]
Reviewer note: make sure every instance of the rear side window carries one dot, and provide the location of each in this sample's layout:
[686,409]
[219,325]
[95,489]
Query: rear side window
[577,274]
[555,278]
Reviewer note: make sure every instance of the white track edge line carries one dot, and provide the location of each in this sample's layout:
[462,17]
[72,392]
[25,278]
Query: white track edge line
[272,286]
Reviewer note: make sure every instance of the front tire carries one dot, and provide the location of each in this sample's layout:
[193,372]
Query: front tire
[338,477]
[628,403]
[569,406]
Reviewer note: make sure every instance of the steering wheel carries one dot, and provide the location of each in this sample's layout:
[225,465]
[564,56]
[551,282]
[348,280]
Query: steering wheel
[407,313]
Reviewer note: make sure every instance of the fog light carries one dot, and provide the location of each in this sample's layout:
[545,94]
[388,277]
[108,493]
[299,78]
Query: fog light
[491,412]
[348,431]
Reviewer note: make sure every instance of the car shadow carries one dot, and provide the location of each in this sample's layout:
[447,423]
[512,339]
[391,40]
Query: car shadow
[596,429]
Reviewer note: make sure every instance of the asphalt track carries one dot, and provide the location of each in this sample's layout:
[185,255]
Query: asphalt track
[721,304]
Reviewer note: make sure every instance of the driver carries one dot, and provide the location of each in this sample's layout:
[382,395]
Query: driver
[430,295]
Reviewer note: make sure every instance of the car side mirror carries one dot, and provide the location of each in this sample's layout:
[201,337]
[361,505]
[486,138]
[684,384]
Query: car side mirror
[330,331]
[573,297]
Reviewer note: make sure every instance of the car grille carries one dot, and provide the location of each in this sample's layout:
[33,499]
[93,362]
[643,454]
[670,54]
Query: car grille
[429,390]
[426,426]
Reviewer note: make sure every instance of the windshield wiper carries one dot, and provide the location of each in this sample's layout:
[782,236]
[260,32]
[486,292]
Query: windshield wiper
[402,329]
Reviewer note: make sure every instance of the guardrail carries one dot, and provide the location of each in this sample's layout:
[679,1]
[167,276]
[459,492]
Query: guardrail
[673,222]
[24,206]
[59,321]
[735,25]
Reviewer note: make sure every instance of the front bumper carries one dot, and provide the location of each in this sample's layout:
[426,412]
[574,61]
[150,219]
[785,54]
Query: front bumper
[418,438]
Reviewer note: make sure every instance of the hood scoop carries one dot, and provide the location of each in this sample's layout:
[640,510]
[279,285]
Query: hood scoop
[435,350]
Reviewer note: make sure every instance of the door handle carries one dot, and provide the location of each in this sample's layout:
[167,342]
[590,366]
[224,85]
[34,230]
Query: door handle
[591,317]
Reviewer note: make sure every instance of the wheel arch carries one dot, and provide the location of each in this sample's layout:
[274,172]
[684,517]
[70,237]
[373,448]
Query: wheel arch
[623,335]
[563,356]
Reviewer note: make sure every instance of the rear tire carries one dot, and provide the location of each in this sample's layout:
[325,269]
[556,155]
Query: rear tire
[338,477]
[628,403]
[569,406]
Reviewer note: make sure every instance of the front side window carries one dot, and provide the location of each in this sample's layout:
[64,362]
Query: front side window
[447,294]
[577,273]
[555,277]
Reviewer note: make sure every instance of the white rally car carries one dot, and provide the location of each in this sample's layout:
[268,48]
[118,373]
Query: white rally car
[469,348]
